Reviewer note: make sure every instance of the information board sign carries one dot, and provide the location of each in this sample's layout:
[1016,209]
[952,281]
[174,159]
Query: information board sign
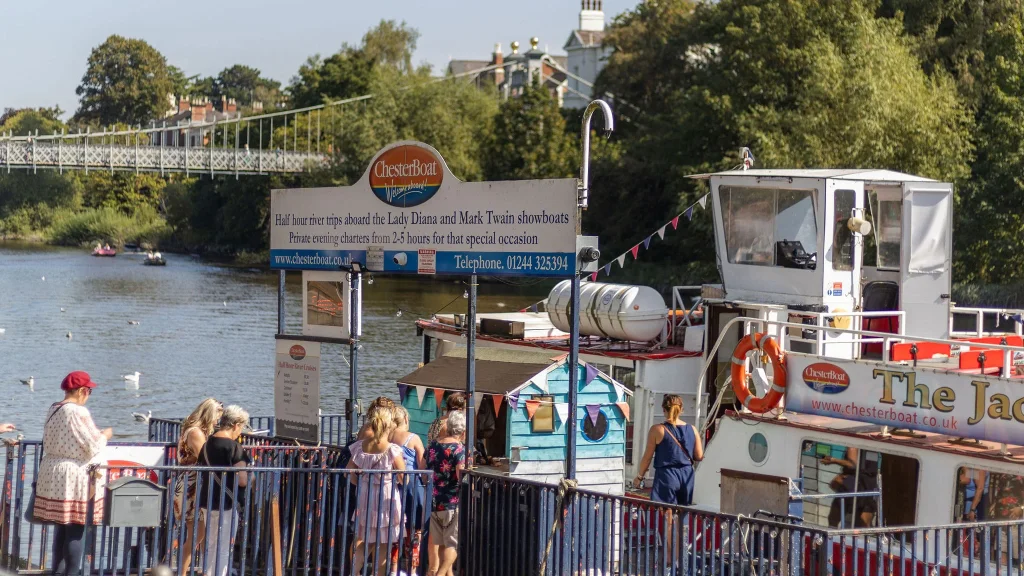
[409,213]
[297,390]
[325,304]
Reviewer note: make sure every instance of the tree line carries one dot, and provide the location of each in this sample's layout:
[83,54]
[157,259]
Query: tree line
[929,87]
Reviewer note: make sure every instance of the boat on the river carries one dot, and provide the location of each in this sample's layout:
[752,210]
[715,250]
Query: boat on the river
[846,389]
[154,259]
[107,252]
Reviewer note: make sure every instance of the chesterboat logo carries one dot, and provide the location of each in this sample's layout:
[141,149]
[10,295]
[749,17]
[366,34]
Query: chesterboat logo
[826,378]
[297,352]
[406,176]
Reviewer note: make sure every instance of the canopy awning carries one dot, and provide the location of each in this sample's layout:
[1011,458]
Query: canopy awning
[497,371]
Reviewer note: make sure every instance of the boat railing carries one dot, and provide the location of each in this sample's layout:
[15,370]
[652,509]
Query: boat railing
[678,319]
[296,519]
[984,318]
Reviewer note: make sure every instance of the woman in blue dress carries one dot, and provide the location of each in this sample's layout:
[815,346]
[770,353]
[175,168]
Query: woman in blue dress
[674,446]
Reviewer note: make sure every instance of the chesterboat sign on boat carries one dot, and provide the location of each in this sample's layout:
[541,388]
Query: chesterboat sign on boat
[409,213]
[981,407]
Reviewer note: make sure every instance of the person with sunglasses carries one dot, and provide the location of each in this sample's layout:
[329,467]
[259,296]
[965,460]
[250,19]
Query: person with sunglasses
[62,494]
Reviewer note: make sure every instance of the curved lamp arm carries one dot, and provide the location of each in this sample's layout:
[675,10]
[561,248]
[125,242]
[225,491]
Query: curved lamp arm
[609,126]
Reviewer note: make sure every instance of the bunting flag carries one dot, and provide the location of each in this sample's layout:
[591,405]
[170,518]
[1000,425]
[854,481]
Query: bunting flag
[703,201]
[675,223]
[592,411]
[624,407]
[661,232]
[618,392]
[497,399]
[621,260]
[541,382]
[590,374]
[478,399]
[403,391]
[513,400]
[531,408]
[608,269]
[593,277]
[635,250]
[439,397]
[689,213]
[647,243]
[562,409]
[421,393]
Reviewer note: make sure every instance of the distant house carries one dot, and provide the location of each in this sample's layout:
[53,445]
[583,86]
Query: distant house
[569,78]
[180,129]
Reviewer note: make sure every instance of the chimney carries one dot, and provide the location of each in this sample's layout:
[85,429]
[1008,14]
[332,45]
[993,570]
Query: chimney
[497,59]
[591,16]
[232,106]
[183,104]
[223,103]
[198,111]
[257,106]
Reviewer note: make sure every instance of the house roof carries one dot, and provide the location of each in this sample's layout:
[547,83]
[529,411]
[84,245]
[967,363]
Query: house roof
[497,371]
[465,66]
[584,38]
[835,174]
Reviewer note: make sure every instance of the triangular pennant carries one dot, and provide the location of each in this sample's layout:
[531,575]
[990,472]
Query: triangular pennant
[608,269]
[497,399]
[634,251]
[531,408]
[403,391]
[592,411]
[689,213]
[540,381]
[421,393]
[593,277]
[439,397]
[661,231]
[589,374]
[478,399]
[647,242]
[618,393]
[675,223]
[513,400]
[562,409]
[621,260]
[533,308]
[625,409]
[703,201]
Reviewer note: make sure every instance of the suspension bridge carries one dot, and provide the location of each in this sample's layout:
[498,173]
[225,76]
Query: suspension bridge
[288,141]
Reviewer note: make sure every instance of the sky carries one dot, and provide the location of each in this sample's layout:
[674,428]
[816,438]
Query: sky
[44,44]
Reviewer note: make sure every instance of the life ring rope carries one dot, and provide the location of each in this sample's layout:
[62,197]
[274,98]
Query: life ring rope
[768,346]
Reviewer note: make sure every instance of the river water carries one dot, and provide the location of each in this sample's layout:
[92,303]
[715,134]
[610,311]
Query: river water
[203,330]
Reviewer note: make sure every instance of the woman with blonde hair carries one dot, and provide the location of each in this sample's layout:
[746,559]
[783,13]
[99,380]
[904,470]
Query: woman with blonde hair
[675,447]
[195,430]
[378,497]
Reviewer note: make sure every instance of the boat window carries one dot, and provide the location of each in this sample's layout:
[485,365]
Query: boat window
[887,216]
[842,239]
[983,495]
[769,226]
[595,429]
[757,448]
[627,377]
[830,471]
[544,418]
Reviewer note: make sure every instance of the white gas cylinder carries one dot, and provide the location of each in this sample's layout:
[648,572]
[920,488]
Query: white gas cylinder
[634,313]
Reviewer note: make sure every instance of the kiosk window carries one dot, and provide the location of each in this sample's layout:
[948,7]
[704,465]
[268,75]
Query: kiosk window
[544,417]
[888,233]
[769,227]
[595,432]
[834,470]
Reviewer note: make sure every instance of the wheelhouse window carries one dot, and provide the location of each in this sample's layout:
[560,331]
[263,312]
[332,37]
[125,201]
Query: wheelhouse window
[842,238]
[887,215]
[837,483]
[984,495]
[769,226]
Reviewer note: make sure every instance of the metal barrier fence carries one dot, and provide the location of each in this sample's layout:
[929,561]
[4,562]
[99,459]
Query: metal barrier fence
[291,515]
[519,527]
[333,428]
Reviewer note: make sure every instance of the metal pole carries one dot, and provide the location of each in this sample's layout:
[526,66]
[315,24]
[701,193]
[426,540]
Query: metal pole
[355,301]
[471,372]
[280,302]
[213,144]
[609,125]
[574,377]
[85,149]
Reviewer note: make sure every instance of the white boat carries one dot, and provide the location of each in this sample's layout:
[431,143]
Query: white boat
[836,294]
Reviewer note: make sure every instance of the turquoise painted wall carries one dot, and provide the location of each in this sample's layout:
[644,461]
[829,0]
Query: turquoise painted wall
[420,416]
[547,446]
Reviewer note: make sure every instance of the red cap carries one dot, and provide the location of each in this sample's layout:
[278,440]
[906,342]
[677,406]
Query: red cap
[76,380]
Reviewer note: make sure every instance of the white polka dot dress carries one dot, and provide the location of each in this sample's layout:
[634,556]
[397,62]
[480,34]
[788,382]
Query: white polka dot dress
[71,441]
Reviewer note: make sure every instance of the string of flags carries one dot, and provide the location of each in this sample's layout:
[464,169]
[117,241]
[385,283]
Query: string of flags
[646,242]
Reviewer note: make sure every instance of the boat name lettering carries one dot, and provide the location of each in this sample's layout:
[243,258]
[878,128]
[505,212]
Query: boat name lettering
[997,406]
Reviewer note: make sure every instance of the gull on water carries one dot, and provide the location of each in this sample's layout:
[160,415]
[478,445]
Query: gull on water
[31,383]
[133,322]
[63,310]
[2,330]
[132,380]
[140,417]
[69,335]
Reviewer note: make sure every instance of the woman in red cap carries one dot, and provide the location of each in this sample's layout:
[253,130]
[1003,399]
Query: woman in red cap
[70,440]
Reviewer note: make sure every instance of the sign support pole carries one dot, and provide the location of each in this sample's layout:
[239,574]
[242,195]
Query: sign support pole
[574,378]
[471,372]
[281,329]
[355,281]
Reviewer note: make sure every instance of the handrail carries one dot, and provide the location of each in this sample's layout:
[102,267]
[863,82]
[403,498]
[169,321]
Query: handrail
[979,313]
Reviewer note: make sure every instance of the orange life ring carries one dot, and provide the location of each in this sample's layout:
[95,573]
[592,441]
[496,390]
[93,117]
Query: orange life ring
[768,345]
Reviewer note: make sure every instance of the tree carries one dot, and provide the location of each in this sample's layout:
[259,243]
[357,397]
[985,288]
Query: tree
[27,121]
[530,139]
[126,80]
[391,44]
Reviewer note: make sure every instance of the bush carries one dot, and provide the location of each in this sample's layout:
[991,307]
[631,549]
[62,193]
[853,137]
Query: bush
[107,225]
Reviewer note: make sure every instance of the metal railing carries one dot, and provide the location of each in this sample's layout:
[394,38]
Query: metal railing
[295,515]
[983,318]
[518,527]
[333,429]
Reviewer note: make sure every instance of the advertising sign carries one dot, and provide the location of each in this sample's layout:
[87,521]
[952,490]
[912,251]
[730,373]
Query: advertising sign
[297,390]
[969,406]
[409,213]
[134,461]
[325,304]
